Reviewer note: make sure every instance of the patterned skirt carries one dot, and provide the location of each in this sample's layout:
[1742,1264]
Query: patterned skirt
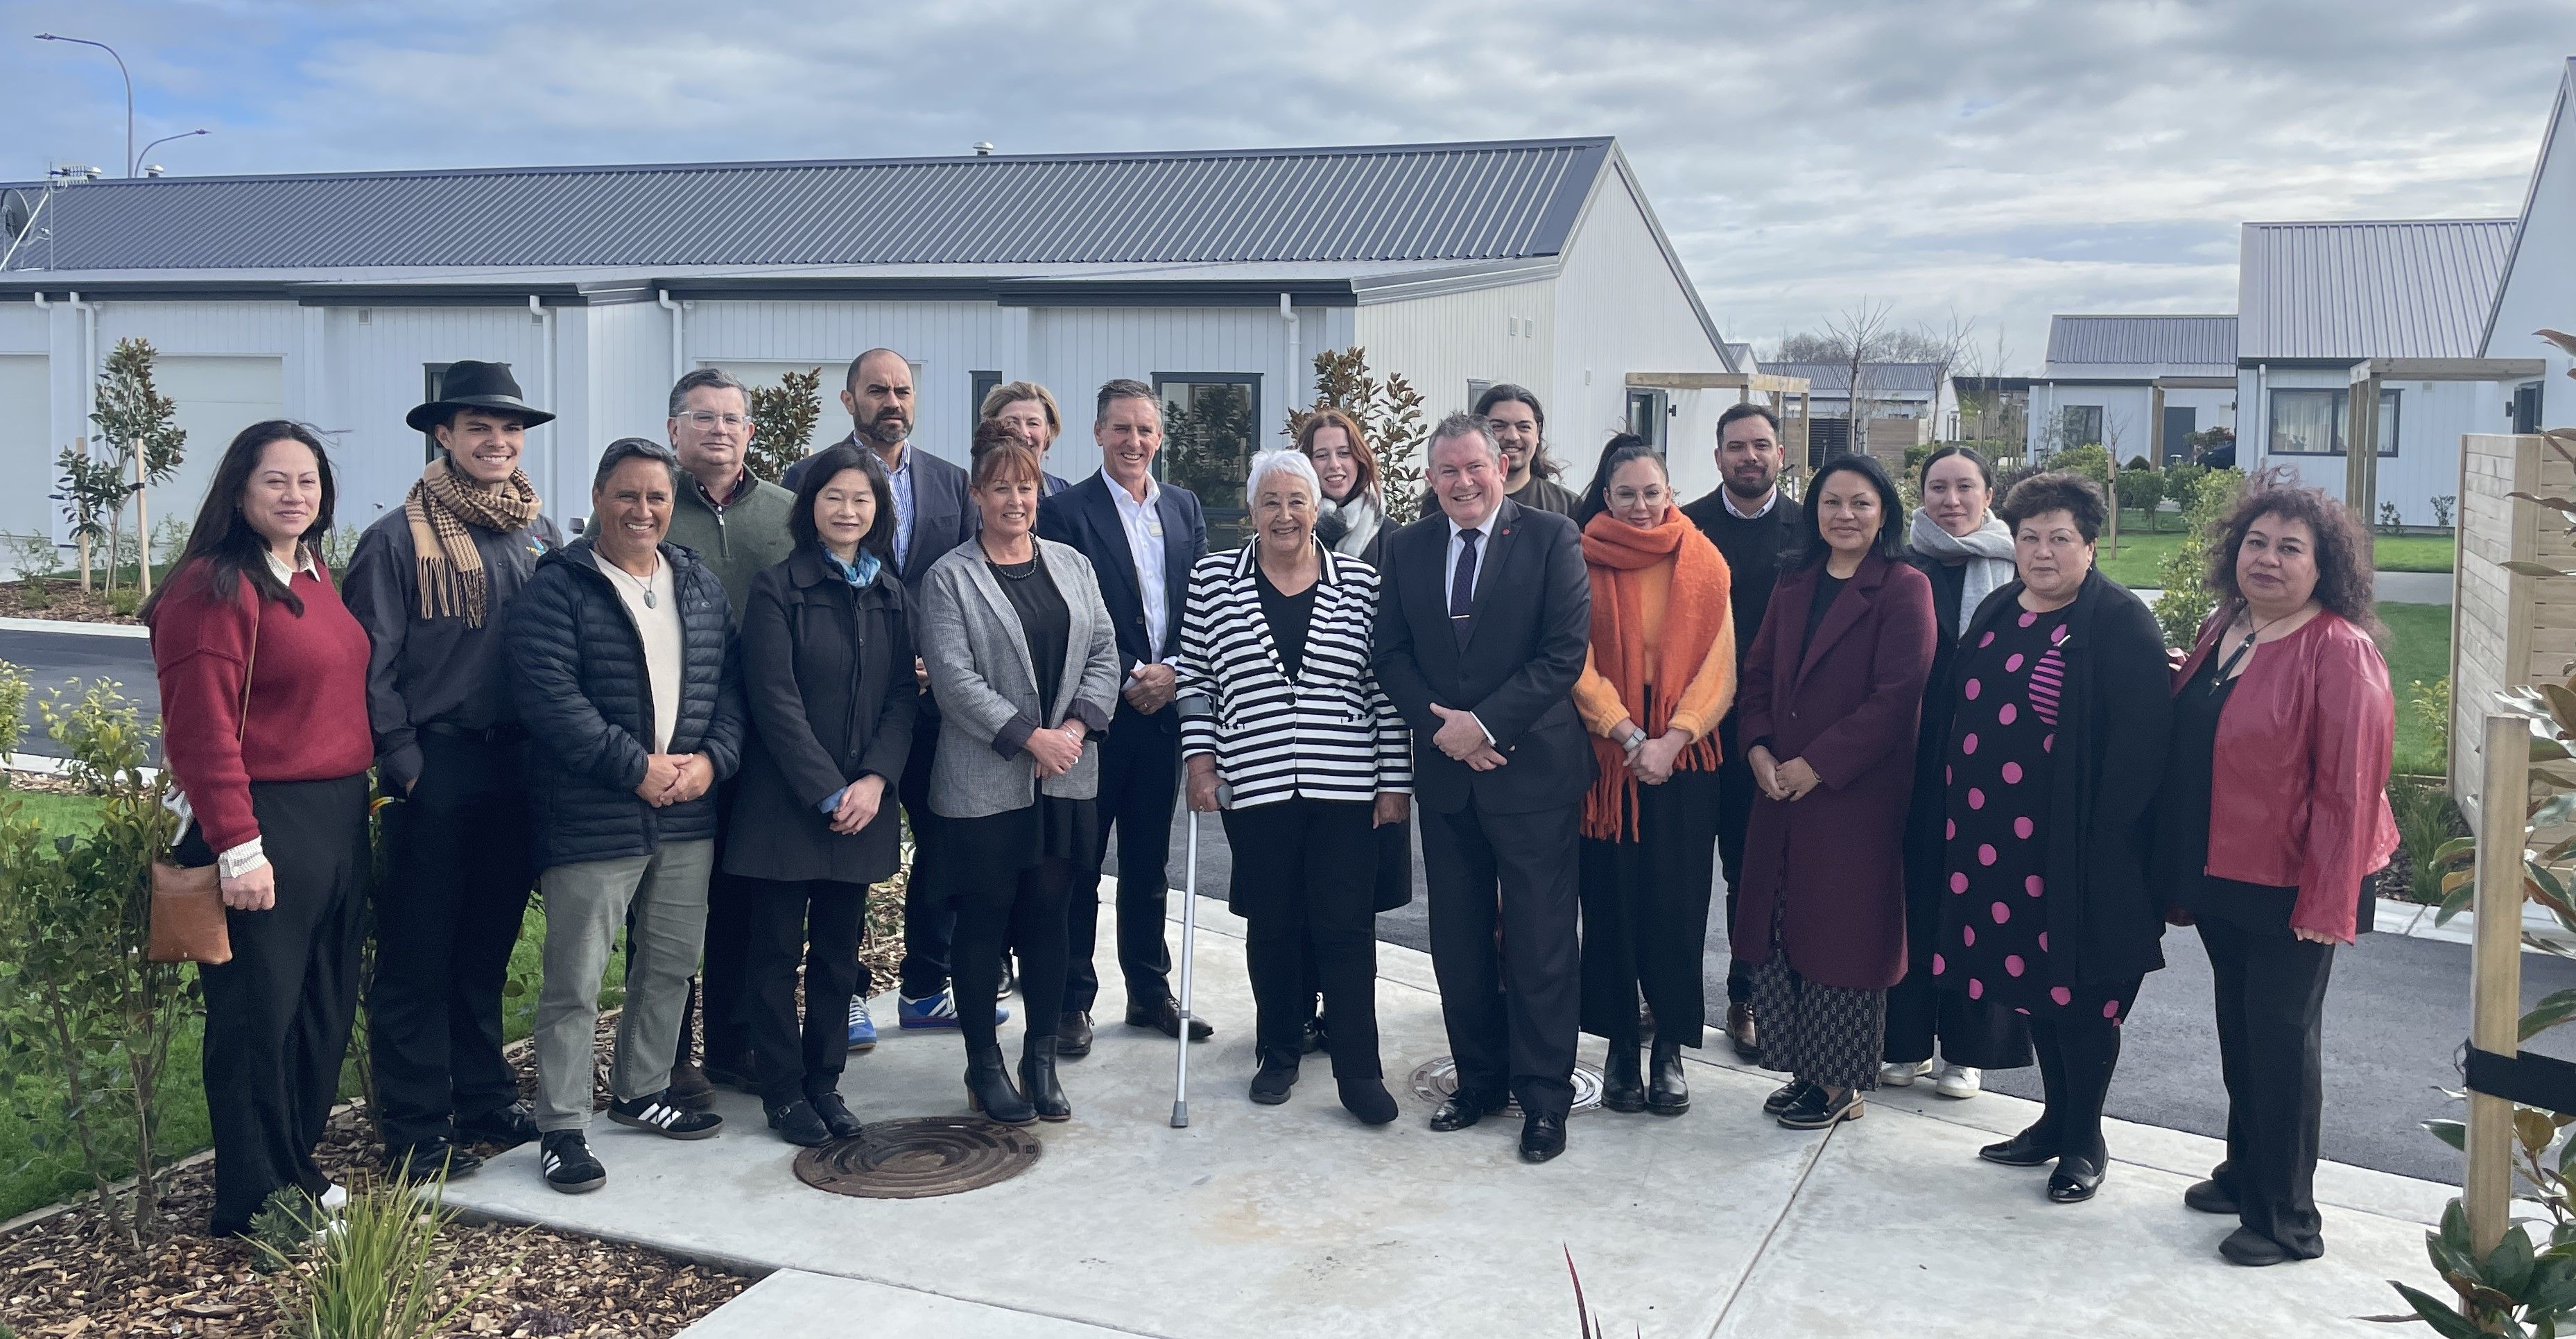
[1828,1035]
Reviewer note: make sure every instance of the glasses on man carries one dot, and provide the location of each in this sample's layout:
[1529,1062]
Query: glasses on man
[703,419]
[1652,496]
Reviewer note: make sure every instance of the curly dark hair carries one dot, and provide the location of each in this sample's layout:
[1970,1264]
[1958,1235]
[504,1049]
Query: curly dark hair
[2057,490]
[2343,554]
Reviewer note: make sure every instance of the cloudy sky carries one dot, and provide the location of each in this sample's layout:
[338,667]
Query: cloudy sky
[1971,159]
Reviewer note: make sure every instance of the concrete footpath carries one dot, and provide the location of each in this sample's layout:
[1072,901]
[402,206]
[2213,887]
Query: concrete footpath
[1297,1220]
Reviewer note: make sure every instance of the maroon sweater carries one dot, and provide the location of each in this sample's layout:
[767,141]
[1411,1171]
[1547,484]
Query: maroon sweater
[308,695]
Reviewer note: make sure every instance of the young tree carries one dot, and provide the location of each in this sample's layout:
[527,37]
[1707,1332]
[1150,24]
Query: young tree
[1389,411]
[88,487]
[782,419]
[144,440]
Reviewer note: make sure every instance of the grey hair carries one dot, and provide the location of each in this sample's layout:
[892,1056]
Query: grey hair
[625,449]
[1292,463]
[1460,425]
[703,378]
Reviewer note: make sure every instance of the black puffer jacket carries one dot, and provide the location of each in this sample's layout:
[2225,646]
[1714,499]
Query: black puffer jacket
[577,668]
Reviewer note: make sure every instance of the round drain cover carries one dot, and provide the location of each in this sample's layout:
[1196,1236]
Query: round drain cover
[1437,1081]
[920,1157]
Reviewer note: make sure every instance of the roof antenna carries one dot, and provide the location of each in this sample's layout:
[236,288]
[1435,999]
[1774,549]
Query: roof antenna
[983,148]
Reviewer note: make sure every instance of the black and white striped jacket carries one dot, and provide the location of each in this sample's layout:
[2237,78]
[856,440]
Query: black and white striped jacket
[1332,734]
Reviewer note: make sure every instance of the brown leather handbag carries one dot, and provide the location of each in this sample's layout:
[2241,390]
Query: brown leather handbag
[187,917]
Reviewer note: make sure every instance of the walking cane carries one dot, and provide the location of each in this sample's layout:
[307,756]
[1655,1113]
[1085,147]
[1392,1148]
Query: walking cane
[1189,934]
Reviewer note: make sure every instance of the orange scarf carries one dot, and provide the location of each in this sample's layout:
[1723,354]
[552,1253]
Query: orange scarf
[1694,617]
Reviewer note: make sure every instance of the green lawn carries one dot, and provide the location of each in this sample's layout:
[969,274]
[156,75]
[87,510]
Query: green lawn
[58,815]
[2142,551]
[2419,651]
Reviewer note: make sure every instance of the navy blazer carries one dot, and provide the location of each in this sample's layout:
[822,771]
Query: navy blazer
[1085,516]
[1515,670]
[943,514]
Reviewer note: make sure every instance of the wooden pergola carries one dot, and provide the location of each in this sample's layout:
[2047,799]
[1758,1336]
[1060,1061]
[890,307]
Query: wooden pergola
[2361,412]
[1784,396]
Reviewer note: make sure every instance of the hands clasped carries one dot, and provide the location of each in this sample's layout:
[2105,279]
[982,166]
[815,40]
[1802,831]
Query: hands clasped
[1462,737]
[675,778]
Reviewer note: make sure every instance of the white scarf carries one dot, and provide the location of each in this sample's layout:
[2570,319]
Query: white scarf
[1987,551]
[1359,516]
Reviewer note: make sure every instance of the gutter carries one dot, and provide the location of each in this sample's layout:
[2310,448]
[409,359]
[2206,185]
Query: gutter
[679,326]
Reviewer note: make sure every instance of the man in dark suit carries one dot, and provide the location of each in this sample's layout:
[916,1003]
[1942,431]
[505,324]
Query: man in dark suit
[1141,537]
[1750,519]
[932,514]
[1483,620]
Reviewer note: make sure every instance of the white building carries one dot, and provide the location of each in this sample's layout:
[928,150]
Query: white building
[2139,385]
[2538,290]
[1216,276]
[2316,301]
[1908,404]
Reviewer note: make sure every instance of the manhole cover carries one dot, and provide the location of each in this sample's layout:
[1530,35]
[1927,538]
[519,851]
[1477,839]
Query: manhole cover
[1436,1081]
[920,1157]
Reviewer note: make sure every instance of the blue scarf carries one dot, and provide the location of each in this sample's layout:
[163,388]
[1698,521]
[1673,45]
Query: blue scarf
[858,576]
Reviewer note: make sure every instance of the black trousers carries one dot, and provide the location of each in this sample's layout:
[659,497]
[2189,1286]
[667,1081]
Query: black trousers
[1645,915]
[1305,877]
[817,920]
[2271,991]
[278,1016]
[1513,1011]
[1004,904]
[1735,791]
[715,1005]
[1140,779]
[928,919]
[460,863]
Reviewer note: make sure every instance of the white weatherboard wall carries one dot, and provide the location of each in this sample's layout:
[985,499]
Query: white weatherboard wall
[945,341]
[26,451]
[1075,349]
[379,357]
[2540,290]
[217,398]
[1620,307]
[2431,418]
[1439,344]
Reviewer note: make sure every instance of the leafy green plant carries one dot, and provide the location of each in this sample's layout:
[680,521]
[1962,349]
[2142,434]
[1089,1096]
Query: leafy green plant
[124,601]
[371,1271]
[2141,490]
[170,539]
[1390,411]
[2431,703]
[88,488]
[340,545]
[783,418]
[2427,820]
[2445,506]
[14,686]
[141,427]
[2184,572]
[87,1013]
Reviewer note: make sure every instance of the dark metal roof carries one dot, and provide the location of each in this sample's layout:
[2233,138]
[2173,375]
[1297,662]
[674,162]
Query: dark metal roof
[1439,202]
[2404,288]
[2171,342]
[1893,380]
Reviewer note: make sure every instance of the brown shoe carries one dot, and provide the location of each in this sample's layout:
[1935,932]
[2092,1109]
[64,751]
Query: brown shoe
[690,1088]
[1739,1030]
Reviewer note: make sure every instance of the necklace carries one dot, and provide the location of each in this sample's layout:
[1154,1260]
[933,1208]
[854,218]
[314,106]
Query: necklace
[1019,571]
[643,584]
[2227,667]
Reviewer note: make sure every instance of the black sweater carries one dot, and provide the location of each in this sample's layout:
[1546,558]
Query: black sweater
[1752,549]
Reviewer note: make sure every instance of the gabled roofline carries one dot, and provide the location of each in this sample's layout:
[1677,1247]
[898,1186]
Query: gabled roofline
[2368,223]
[786,164]
[2530,195]
[1654,228]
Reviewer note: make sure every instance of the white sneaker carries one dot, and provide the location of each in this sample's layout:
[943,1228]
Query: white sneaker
[1902,1073]
[1961,1081]
[335,1199]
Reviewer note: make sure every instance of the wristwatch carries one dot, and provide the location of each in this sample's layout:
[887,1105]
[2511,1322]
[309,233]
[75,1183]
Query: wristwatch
[1636,739]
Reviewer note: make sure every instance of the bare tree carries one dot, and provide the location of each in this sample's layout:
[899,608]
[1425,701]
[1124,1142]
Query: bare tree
[1862,333]
[1946,349]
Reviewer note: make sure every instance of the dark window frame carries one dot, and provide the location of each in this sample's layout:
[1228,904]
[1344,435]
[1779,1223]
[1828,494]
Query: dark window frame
[2391,400]
[1221,518]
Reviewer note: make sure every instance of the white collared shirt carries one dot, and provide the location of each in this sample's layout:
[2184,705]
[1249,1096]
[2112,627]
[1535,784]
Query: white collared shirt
[1757,513]
[1143,522]
[1484,550]
[286,575]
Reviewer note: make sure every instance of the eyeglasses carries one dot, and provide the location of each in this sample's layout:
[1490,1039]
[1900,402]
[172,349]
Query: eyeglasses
[1654,496]
[703,419]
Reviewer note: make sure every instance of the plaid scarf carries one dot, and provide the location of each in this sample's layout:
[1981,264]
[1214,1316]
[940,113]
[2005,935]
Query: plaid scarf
[439,507]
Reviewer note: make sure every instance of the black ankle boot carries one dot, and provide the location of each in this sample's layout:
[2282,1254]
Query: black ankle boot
[1037,1078]
[1623,1085]
[989,1090]
[1278,1074]
[1669,1093]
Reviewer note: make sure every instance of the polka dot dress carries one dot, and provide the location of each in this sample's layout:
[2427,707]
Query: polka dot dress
[1994,924]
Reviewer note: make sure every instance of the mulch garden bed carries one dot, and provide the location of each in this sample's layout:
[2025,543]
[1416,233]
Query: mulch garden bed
[69,1275]
[64,601]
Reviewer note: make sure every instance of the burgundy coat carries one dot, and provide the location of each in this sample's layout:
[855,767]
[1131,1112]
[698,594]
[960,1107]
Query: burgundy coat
[1850,705]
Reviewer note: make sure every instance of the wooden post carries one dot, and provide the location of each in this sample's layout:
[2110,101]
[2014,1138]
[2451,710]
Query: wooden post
[2361,449]
[2495,983]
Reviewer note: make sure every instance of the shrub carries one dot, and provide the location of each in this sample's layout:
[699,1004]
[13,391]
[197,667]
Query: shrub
[87,1015]
[2445,505]
[2426,820]
[1390,411]
[2390,519]
[13,710]
[124,601]
[782,420]
[371,1272]
[339,546]
[2185,571]
[2139,463]
[2141,490]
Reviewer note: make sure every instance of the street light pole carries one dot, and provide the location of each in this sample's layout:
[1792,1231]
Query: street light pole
[148,148]
[129,89]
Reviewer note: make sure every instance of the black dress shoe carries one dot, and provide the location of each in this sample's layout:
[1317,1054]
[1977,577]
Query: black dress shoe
[2030,1148]
[1278,1074]
[1542,1138]
[1367,1099]
[1815,1111]
[1318,1036]
[1623,1081]
[691,1088]
[508,1127]
[430,1160]
[1785,1096]
[2209,1197]
[836,1116]
[1740,1031]
[1072,1035]
[2252,1249]
[1460,1111]
[798,1123]
[1667,1092]
[2077,1176]
[1166,1019]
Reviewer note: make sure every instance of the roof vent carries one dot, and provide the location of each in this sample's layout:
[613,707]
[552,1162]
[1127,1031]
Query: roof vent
[983,148]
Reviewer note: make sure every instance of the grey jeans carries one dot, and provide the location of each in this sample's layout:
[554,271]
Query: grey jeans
[586,904]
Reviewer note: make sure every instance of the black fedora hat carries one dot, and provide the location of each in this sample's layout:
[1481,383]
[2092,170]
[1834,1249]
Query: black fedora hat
[473,385]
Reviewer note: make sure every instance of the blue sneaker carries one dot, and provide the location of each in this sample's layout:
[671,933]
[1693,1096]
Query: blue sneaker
[863,1029]
[935,1011]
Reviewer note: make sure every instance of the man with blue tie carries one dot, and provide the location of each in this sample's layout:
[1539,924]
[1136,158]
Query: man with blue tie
[1141,537]
[1484,617]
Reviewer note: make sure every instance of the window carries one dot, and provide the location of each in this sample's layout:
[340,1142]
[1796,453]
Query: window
[2079,425]
[980,384]
[1647,410]
[1208,439]
[2309,422]
[1476,391]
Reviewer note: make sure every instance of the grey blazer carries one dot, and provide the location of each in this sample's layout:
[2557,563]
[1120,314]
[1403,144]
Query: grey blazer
[986,685]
